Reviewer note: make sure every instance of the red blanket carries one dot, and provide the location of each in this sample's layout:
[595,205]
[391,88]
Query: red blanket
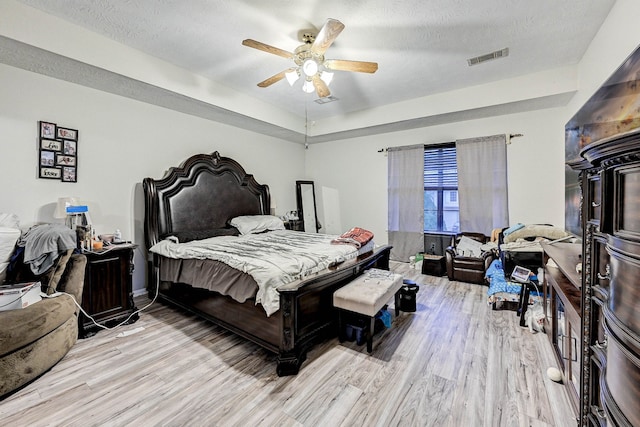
[356,236]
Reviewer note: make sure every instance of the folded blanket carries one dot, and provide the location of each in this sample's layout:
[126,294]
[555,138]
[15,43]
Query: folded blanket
[44,243]
[356,236]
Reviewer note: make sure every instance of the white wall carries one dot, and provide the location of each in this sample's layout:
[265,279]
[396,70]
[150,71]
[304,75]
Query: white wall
[121,141]
[618,37]
[359,171]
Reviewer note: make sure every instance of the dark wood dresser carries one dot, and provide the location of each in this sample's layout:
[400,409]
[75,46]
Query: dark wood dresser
[609,392]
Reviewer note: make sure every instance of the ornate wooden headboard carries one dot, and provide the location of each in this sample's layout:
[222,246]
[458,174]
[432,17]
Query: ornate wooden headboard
[201,194]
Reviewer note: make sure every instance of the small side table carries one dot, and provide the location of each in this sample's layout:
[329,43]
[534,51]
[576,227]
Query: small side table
[107,295]
[294,224]
[433,265]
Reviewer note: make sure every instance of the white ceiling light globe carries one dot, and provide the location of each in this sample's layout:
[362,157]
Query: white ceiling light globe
[310,67]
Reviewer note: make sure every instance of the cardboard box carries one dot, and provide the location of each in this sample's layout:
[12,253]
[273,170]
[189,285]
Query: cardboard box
[20,295]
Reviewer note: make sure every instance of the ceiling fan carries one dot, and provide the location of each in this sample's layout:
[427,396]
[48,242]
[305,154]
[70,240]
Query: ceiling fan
[310,61]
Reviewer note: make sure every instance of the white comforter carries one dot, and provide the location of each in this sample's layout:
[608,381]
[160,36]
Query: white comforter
[273,259]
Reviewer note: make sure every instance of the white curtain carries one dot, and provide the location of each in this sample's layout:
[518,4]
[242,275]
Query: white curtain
[406,201]
[482,183]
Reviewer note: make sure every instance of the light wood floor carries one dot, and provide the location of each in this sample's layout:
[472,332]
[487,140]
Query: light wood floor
[454,362]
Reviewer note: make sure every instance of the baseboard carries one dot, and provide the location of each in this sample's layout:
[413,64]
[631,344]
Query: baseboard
[139,292]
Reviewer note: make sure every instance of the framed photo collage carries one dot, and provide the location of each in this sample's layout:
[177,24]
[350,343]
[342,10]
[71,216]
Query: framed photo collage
[58,152]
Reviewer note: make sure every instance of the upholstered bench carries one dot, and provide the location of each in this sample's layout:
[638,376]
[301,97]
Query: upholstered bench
[366,295]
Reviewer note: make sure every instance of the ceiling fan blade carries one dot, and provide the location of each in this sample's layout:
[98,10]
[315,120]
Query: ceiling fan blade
[321,87]
[275,78]
[267,48]
[345,65]
[328,33]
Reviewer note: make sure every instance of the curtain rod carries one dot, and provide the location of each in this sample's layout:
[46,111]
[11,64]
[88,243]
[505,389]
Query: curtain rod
[509,137]
[513,135]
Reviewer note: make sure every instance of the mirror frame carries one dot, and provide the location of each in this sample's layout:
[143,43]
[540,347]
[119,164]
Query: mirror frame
[299,202]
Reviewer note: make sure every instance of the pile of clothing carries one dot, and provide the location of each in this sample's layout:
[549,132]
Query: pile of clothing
[357,237]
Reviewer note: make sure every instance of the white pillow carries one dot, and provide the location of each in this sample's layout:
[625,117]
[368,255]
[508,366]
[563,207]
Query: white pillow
[469,247]
[8,238]
[251,224]
[536,230]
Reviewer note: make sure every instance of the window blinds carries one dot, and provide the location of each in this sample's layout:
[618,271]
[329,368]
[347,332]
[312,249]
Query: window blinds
[440,167]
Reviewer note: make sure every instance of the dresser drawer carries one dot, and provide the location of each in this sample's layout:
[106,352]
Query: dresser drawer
[624,291]
[626,204]
[623,379]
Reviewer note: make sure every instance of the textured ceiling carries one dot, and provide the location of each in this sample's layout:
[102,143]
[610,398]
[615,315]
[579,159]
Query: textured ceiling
[421,46]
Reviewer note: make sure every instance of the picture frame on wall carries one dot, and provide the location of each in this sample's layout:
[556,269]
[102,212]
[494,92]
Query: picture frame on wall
[50,144]
[57,152]
[69,174]
[62,160]
[69,148]
[47,158]
[66,133]
[48,130]
[50,173]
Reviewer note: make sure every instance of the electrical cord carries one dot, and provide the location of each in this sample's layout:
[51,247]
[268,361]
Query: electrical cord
[57,293]
[110,328]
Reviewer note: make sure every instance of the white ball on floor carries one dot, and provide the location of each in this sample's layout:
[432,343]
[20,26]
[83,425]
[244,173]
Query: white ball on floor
[554,374]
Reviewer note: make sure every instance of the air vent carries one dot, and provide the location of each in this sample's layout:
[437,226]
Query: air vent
[488,57]
[326,99]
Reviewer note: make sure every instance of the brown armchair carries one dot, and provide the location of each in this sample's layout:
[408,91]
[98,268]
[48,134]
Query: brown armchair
[468,268]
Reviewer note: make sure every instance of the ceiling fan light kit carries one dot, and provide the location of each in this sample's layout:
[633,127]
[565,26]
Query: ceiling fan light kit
[292,76]
[310,61]
[326,77]
[308,87]
[310,67]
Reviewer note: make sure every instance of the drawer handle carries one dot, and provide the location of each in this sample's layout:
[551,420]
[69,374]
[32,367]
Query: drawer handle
[595,205]
[599,412]
[607,274]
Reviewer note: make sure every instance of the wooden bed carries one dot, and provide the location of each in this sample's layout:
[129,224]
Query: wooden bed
[204,193]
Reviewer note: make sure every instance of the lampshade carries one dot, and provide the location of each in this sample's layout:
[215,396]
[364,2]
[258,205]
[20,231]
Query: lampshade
[326,77]
[308,86]
[61,207]
[292,77]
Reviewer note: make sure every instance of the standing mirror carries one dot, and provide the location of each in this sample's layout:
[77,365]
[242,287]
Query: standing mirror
[306,198]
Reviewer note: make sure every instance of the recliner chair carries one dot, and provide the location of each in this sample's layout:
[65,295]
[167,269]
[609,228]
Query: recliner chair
[468,268]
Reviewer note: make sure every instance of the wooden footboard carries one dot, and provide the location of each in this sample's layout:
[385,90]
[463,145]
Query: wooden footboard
[306,314]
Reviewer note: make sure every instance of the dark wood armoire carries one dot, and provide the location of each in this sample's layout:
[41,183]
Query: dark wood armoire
[603,146]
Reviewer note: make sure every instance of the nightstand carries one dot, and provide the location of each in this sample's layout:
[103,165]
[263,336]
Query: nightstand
[107,295]
[294,224]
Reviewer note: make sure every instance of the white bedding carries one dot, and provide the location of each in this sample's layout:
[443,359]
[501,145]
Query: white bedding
[273,259]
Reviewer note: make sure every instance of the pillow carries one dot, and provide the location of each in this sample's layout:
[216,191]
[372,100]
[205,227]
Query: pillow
[469,247]
[187,236]
[8,238]
[252,224]
[536,230]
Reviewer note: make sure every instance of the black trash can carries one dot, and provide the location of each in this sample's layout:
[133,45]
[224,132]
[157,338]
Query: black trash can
[408,293]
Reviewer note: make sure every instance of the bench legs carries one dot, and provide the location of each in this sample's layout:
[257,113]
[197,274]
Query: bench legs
[372,324]
[397,302]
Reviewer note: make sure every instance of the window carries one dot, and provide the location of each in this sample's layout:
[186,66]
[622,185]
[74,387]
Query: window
[441,210]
